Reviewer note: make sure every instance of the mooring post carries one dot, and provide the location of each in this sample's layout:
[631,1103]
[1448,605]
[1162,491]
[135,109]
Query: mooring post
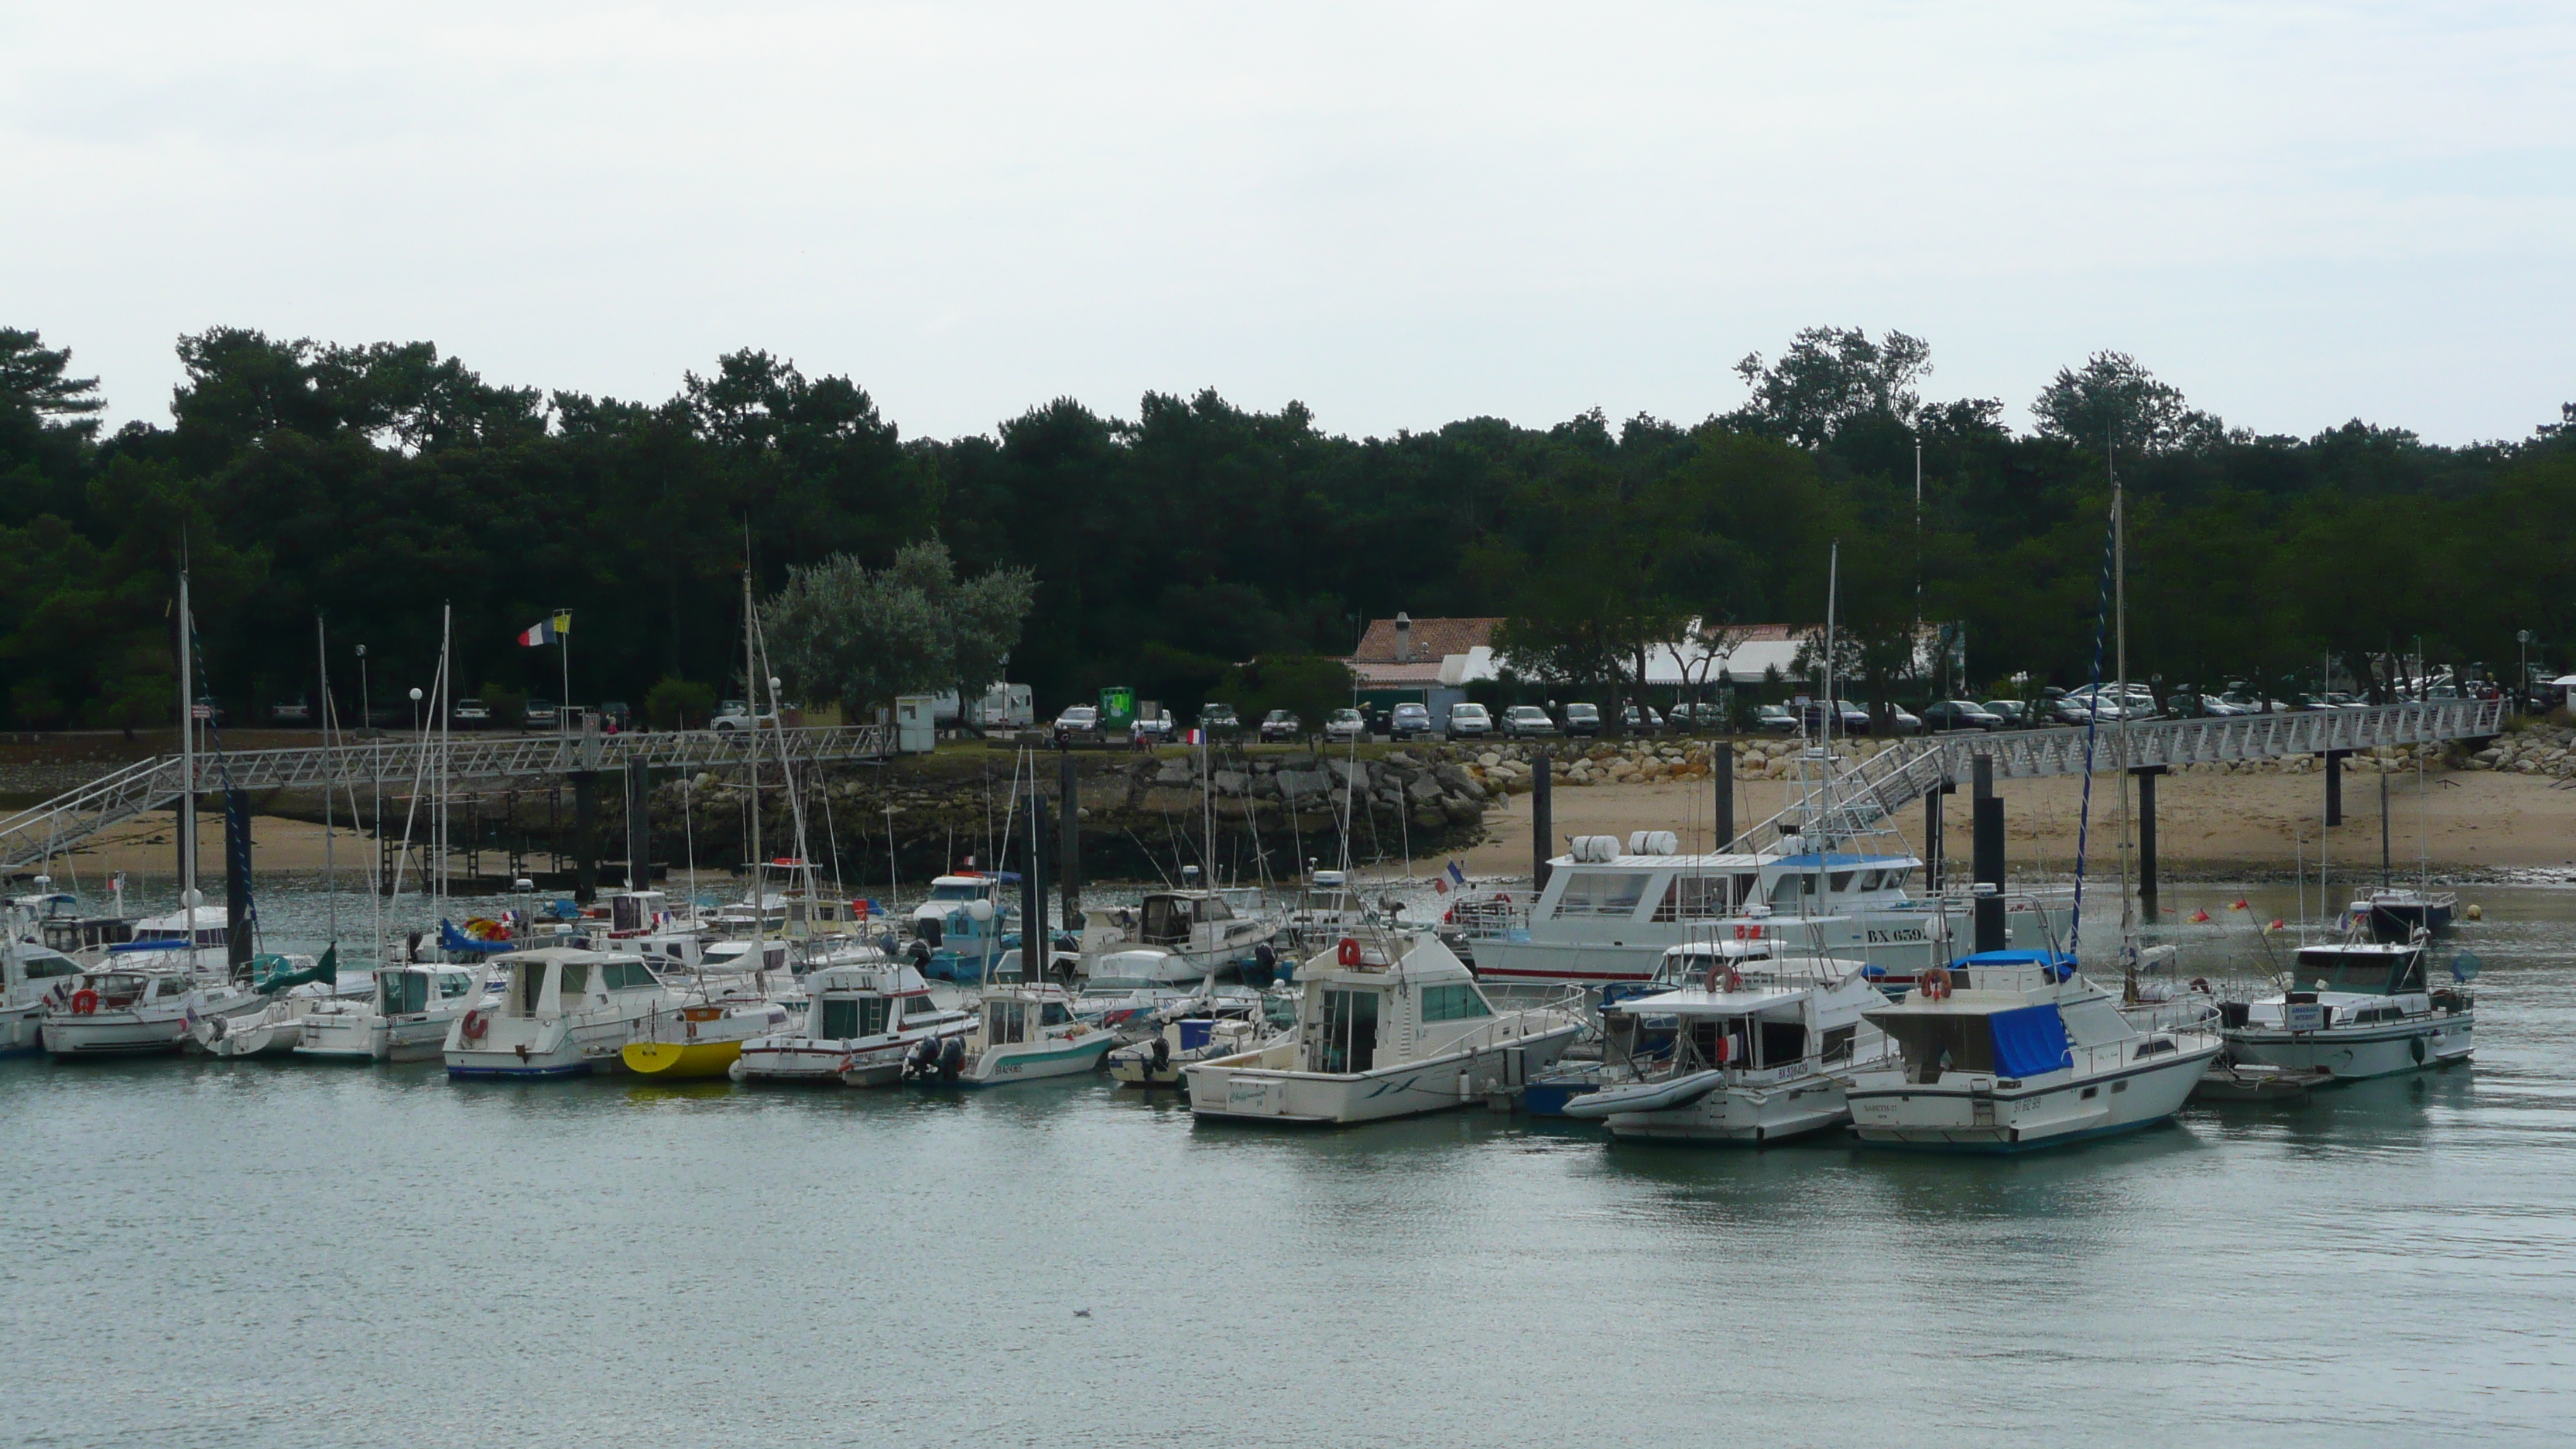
[1068,875]
[2147,839]
[2334,787]
[1721,769]
[1542,823]
[585,840]
[639,825]
[1986,826]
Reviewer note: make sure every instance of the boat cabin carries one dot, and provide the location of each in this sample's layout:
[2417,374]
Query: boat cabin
[560,981]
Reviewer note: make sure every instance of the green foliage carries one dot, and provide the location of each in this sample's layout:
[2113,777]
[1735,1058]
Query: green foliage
[679,704]
[1309,686]
[863,636]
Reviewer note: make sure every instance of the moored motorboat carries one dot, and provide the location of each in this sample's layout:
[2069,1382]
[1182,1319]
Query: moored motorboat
[2010,1050]
[562,1012]
[2357,1009]
[1389,1024]
[1752,1051]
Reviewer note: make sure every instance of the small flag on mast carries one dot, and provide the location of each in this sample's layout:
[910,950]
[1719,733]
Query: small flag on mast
[551,631]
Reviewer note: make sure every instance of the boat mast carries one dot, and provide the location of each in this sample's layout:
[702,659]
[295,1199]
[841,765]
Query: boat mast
[187,765]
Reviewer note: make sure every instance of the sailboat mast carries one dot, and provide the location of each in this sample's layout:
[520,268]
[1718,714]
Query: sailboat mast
[187,764]
[751,702]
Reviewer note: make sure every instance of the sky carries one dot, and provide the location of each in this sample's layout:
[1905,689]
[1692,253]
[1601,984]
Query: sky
[1398,214]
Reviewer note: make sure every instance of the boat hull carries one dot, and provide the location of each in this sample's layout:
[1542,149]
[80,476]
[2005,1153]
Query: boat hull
[2384,1049]
[1992,1118]
[1433,1084]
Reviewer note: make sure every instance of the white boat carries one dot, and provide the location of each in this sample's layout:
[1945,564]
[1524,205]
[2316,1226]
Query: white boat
[2354,1010]
[1389,1024]
[1176,937]
[31,976]
[863,1019]
[563,1012]
[1024,1031]
[2011,1050]
[405,1018]
[1751,1051]
[139,1005]
[1607,916]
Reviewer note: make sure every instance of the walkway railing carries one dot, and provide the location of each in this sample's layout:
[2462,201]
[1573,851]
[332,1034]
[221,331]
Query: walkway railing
[1906,772]
[42,830]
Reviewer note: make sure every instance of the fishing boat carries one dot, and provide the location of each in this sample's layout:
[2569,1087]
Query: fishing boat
[405,1018]
[1389,1024]
[137,1006]
[563,1012]
[2357,1009]
[2006,1051]
[1177,937]
[1025,1031]
[863,1020]
[32,976]
[1751,1051]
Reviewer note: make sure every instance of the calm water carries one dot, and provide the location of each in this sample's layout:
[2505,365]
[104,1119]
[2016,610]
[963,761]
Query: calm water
[276,1254]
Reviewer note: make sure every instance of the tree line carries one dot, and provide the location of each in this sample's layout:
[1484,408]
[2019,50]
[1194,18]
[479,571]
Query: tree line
[371,485]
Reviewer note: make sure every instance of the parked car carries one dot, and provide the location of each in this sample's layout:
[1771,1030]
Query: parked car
[1960,714]
[1407,720]
[290,712]
[1078,722]
[1345,725]
[2015,713]
[541,714]
[1526,721]
[1641,719]
[1775,719]
[1582,719]
[1278,725]
[1219,719]
[1469,721]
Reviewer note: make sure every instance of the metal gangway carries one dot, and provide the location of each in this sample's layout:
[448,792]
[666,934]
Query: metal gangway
[1864,797]
[41,831]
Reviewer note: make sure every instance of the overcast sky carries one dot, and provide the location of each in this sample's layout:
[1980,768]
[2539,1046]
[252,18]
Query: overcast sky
[1400,214]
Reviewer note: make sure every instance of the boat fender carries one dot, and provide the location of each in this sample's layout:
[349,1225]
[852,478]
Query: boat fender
[1933,984]
[84,1001]
[1349,952]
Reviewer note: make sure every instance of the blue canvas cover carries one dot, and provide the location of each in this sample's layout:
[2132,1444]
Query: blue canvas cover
[2029,1040]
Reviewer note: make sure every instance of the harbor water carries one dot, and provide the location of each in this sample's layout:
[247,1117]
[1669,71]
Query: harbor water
[269,1253]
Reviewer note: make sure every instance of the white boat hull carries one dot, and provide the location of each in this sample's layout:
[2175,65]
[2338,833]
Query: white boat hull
[1978,1113]
[1234,1088]
[2353,1054]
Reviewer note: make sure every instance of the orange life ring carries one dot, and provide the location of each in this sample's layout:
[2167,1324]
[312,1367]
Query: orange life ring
[1349,954]
[84,1001]
[1933,984]
[475,1025]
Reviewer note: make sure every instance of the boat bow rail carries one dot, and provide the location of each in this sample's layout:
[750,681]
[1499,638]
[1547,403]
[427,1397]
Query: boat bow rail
[1867,795]
[42,830]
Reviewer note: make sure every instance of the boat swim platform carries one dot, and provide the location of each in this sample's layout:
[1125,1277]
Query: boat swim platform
[1866,797]
[40,831]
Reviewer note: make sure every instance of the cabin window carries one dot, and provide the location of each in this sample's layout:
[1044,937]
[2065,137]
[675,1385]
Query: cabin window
[1349,1038]
[1838,1043]
[1695,898]
[1783,1042]
[404,992]
[1602,893]
[1458,1002]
